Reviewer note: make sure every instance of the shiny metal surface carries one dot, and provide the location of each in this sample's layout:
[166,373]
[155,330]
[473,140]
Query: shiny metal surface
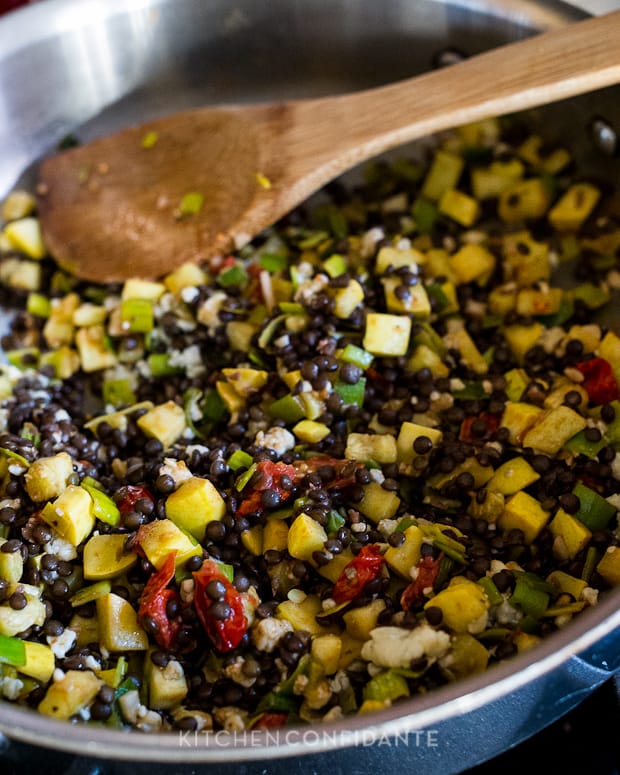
[90,66]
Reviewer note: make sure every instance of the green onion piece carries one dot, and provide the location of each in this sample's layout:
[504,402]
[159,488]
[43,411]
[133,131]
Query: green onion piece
[15,458]
[563,610]
[213,408]
[273,262]
[335,521]
[239,459]
[38,305]
[590,563]
[356,355]
[93,483]
[472,391]
[561,316]
[287,408]
[352,395]
[90,594]
[312,239]
[12,651]
[594,511]
[404,524]
[120,671]
[118,392]
[149,139]
[268,333]
[593,296]
[425,214]
[4,531]
[335,265]
[245,478]
[24,358]
[191,204]
[528,598]
[104,507]
[233,276]
[225,569]
[291,308]
[495,633]
[386,686]
[493,593]
[159,364]
[137,316]
[439,296]
[580,445]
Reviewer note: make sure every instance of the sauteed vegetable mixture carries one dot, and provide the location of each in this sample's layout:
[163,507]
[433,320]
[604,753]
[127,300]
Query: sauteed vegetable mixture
[373,452]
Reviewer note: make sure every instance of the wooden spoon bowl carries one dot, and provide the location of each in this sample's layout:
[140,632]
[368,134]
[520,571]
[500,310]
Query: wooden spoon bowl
[119,206]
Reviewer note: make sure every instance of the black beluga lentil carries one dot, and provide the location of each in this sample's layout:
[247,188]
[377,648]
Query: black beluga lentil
[373,452]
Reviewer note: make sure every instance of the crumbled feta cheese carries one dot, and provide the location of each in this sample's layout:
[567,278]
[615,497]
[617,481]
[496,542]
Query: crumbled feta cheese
[187,591]
[278,439]
[189,359]
[176,469]
[208,314]
[267,633]
[91,663]
[231,718]
[340,682]
[173,671]
[11,687]
[309,288]
[387,526]
[507,614]
[62,548]
[376,475]
[590,595]
[189,294]
[61,644]
[396,647]
[137,714]
[370,240]
[234,671]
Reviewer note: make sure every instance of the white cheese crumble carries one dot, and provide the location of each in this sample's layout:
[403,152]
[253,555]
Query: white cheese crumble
[61,644]
[278,439]
[397,647]
[11,687]
[189,359]
[62,548]
[309,288]
[231,718]
[209,311]
[176,469]
[266,633]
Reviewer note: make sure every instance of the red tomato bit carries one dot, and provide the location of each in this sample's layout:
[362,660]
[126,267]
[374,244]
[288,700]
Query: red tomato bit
[225,634]
[428,568]
[363,568]
[599,380]
[154,600]
[129,495]
[269,476]
[271,721]
[480,427]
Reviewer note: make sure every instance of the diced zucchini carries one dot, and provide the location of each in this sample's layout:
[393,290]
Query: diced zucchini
[553,429]
[377,503]
[574,207]
[512,476]
[387,335]
[71,514]
[72,693]
[571,535]
[106,556]
[165,422]
[609,565]
[380,447]
[404,558]
[119,629]
[305,537]
[464,605]
[47,477]
[194,504]
[522,512]
[158,539]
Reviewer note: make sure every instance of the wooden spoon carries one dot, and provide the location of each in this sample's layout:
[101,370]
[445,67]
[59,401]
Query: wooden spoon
[110,208]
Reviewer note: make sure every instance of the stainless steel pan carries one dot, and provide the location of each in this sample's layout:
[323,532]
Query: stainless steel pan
[91,66]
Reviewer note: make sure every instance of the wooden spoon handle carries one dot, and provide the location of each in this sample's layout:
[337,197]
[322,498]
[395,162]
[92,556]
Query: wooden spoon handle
[545,68]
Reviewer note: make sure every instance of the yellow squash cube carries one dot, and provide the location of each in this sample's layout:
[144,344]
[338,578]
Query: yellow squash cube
[106,556]
[525,513]
[71,514]
[119,629]
[165,422]
[387,335]
[161,537]
[305,537]
[194,504]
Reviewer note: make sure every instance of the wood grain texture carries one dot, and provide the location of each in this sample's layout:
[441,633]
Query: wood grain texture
[110,210]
